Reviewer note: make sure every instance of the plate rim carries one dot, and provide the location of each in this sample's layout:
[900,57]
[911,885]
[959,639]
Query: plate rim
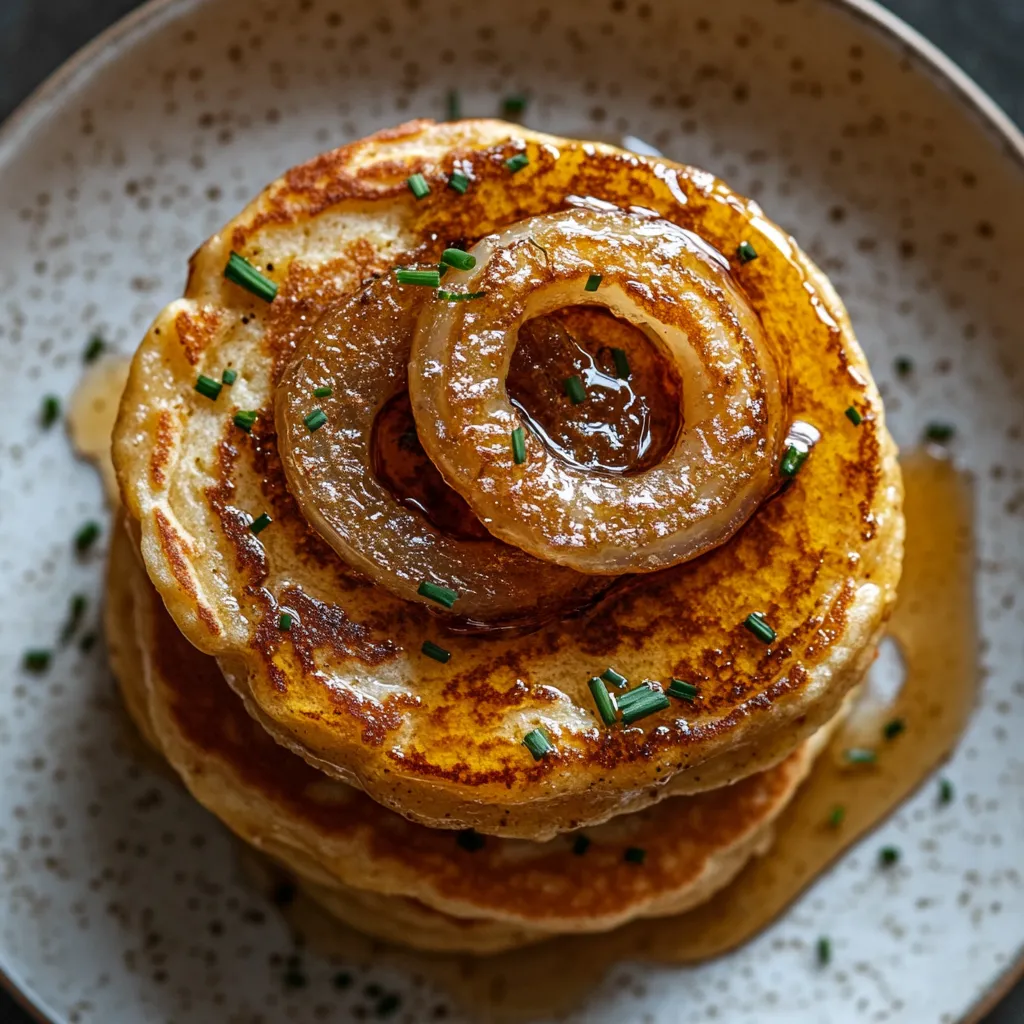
[16,130]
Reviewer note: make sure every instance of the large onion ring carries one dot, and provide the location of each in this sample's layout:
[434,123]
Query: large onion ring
[361,349]
[658,276]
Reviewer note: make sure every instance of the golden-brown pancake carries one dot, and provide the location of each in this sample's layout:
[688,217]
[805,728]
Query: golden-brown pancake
[348,687]
[379,871]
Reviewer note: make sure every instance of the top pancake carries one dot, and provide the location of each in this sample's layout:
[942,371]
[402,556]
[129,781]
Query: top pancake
[347,687]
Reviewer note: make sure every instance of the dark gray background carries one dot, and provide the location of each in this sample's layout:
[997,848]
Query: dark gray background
[985,37]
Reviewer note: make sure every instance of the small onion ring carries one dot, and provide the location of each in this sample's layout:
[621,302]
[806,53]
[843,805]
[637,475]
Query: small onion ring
[658,276]
[360,347]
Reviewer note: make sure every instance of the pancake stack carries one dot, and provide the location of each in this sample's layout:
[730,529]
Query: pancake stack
[506,520]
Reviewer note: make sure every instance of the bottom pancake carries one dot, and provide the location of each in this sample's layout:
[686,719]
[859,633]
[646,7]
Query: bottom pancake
[429,888]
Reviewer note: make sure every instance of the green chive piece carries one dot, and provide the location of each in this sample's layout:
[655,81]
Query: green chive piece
[284,622]
[603,700]
[939,433]
[621,360]
[454,105]
[427,278]
[471,840]
[746,252]
[945,791]
[49,412]
[260,523]
[87,643]
[682,690]
[94,349]
[904,366]
[537,743]
[593,283]
[314,420]
[854,417]
[792,461]
[625,699]
[431,650]
[37,660]
[244,419]
[860,755]
[517,163]
[459,296]
[518,446]
[893,728]
[888,855]
[635,855]
[434,592]
[512,106]
[643,705]
[208,387]
[757,625]
[458,182]
[418,185]
[229,376]
[76,609]
[87,535]
[574,389]
[837,815]
[459,259]
[324,391]
[580,845]
[241,272]
[824,951]
[609,675]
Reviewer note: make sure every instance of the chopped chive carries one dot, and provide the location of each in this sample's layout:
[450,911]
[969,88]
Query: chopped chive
[603,700]
[574,389]
[946,791]
[454,105]
[471,840]
[513,105]
[854,417]
[431,650]
[49,412]
[208,387]
[621,360]
[537,743]
[241,272]
[427,278]
[324,391]
[824,951]
[888,855]
[442,595]
[746,252]
[229,376]
[609,675]
[87,643]
[893,728]
[284,622]
[459,259]
[860,755]
[642,705]
[314,420]
[260,523]
[244,419]
[459,296]
[76,609]
[939,433]
[757,625]
[94,349]
[458,182]
[682,690]
[518,446]
[580,845]
[87,535]
[634,855]
[635,694]
[418,185]
[517,162]
[837,815]
[904,366]
[792,461]
[593,283]
[36,660]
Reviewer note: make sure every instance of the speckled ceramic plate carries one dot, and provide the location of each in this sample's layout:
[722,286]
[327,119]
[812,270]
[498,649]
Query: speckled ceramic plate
[121,899]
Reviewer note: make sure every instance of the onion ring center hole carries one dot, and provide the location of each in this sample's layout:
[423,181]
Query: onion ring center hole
[623,425]
[402,466]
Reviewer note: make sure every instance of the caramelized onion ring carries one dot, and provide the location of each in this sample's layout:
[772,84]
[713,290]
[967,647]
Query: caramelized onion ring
[360,348]
[658,276]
